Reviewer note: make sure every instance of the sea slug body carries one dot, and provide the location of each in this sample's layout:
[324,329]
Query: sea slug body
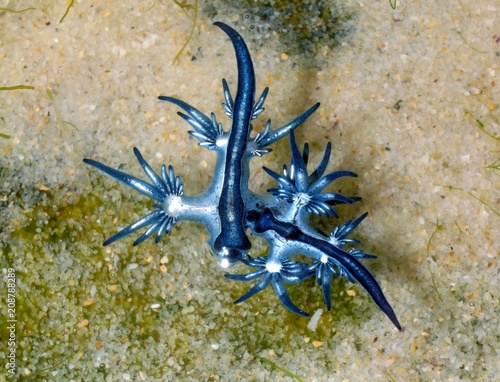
[230,210]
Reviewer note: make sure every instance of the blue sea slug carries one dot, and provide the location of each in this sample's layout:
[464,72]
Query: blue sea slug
[230,211]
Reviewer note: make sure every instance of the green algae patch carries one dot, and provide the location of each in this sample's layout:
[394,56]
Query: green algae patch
[275,366]
[16,87]
[63,122]
[70,4]
[487,205]
[480,126]
[439,227]
[495,166]
[191,11]
[64,286]
[16,10]
[49,222]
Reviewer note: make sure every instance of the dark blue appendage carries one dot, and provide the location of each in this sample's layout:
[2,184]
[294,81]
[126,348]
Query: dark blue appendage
[266,221]
[231,206]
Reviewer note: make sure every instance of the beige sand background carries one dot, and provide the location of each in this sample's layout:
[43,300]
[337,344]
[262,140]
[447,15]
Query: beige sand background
[410,101]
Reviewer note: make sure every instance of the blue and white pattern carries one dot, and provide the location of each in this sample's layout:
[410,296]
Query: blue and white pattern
[230,210]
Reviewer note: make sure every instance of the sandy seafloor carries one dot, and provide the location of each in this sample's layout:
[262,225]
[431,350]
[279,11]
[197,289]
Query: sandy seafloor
[410,101]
